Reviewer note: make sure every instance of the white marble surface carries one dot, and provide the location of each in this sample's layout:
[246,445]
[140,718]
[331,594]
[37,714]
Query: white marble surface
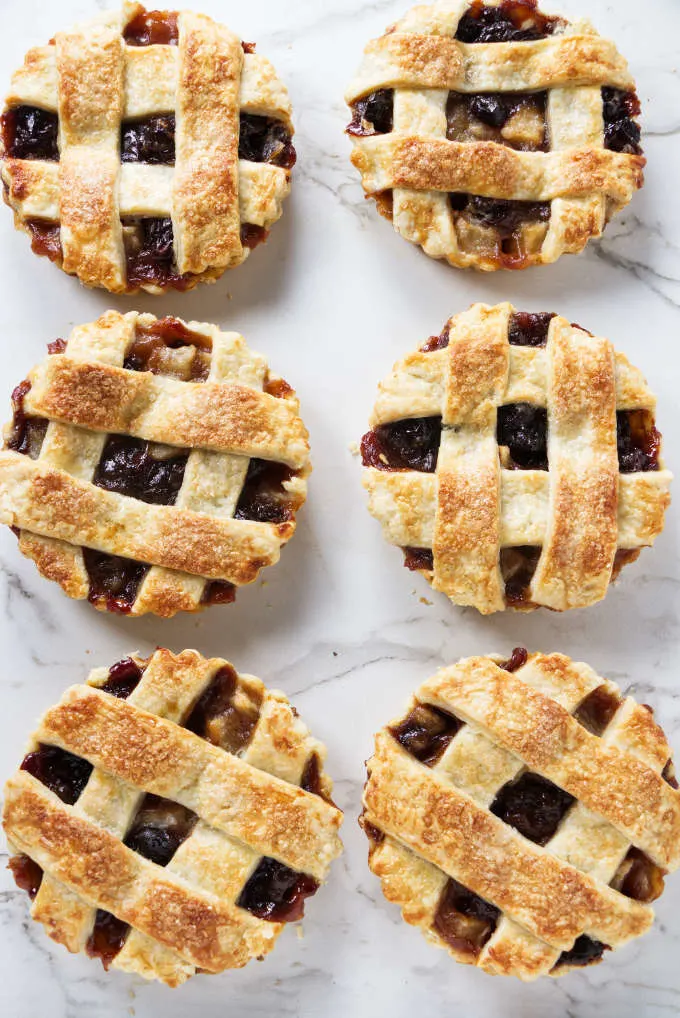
[333,299]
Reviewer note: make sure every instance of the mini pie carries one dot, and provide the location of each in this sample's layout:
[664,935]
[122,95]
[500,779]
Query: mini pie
[495,136]
[516,462]
[523,814]
[153,466]
[146,150]
[170,816]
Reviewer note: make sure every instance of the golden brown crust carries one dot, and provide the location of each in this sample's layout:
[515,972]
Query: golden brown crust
[419,161]
[95,83]
[183,916]
[206,220]
[211,415]
[580,512]
[427,823]
[85,394]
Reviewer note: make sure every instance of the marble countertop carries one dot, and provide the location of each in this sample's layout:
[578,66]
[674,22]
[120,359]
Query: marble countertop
[333,300]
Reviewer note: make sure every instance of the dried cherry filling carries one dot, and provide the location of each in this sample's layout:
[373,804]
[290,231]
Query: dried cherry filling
[621,133]
[532,805]
[463,919]
[311,776]
[45,239]
[504,215]
[374,114]
[63,773]
[153,346]
[123,679]
[138,469]
[159,828]
[597,710]
[439,342]
[275,892]
[28,433]
[517,659]
[107,937]
[518,566]
[586,951]
[523,430]
[113,580]
[668,774]
[152,28]
[528,329]
[151,140]
[515,119]
[27,874]
[263,498]
[150,253]
[416,559]
[31,133]
[265,140]
[510,21]
[426,732]
[218,592]
[637,440]
[216,717]
[639,878]
[411,444]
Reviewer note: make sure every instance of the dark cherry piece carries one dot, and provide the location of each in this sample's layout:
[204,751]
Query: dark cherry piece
[668,774]
[277,387]
[311,776]
[276,892]
[597,710]
[63,773]
[27,874]
[523,428]
[124,677]
[129,467]
[113,580]
[153,261]
[621,133]
[28,432]
[527,329]
[506,216]
[638,442]
[463,919]
[418,558]
[152,28]
[639,878]
[263,497]
[426,732]
[219,592]
[439,342]
[149,141]
[532,805]
[265,140]
[45,239]
[411,444]
[159,828]
[373,114]
[215,717]
[56,346]
[585,951]
[517,659]
[518,578]
[107,937]
[252,236]
[511,21]
[30,133]
[373,833]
